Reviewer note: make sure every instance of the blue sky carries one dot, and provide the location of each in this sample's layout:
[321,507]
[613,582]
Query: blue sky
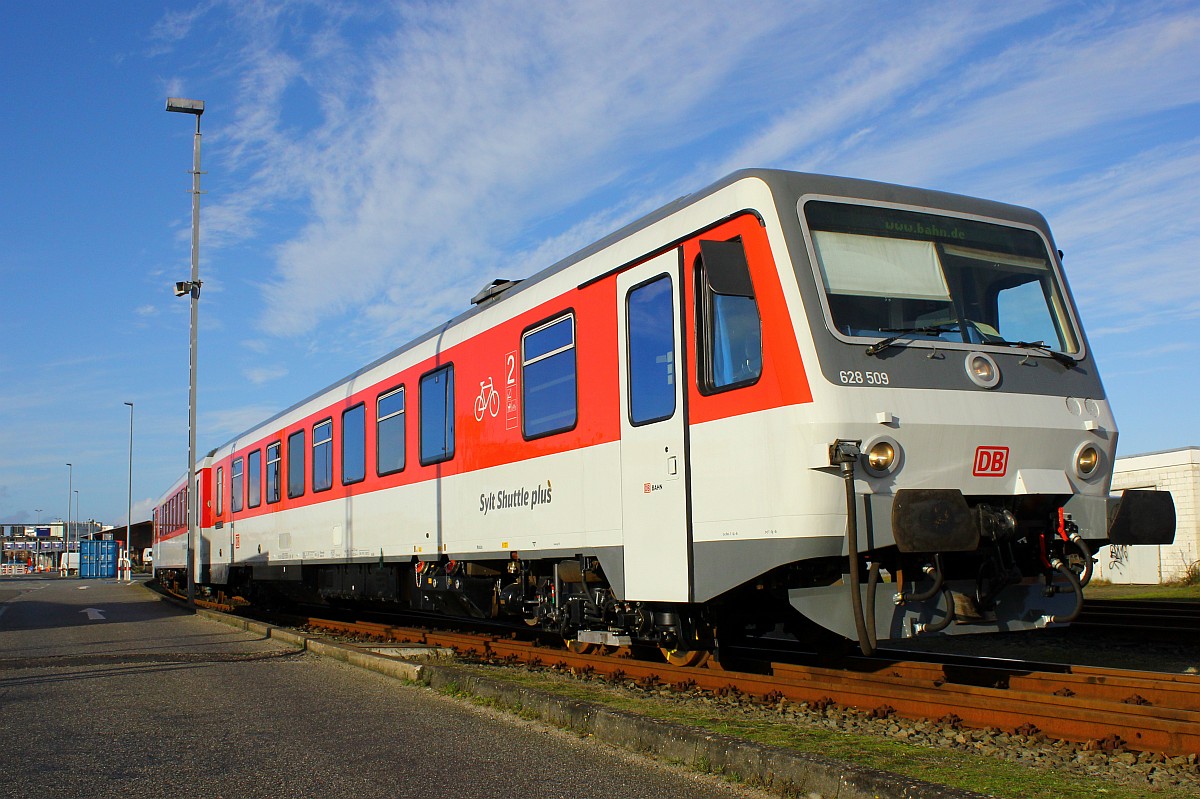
[371,165]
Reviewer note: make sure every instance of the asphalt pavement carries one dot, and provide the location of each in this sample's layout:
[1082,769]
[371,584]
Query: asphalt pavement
[107,691]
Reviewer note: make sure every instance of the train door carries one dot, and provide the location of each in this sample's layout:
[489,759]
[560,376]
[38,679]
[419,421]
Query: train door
[654,484]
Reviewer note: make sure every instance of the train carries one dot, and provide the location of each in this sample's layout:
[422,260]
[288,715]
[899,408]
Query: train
[786,402]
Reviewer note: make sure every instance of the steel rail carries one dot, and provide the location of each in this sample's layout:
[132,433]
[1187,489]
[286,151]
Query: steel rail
[1157,713]
[1146,617]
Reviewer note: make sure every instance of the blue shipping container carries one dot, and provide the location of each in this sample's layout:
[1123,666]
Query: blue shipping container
[98,559]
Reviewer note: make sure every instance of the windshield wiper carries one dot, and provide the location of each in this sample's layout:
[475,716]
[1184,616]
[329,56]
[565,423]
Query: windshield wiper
[1040,346]
[901,332]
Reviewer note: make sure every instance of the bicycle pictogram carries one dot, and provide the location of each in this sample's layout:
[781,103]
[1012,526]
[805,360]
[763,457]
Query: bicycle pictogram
[488,400]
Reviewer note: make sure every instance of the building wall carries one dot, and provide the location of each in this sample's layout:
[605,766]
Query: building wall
[1177,471]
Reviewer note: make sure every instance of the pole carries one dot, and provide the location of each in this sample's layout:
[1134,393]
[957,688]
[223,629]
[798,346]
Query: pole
[129,496]
[196,107]
[70,493]
[192,494]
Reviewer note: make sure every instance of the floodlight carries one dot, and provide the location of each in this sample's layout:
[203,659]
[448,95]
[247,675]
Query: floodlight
[184,106]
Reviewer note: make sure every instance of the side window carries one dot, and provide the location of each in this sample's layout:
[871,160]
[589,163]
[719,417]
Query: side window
[296,464]
[220,490]
[235,488]
[729,331]
[273,472]
[354,444]
[437,415]
[322,462]
[389,432]
[548,371]
[254,479]
[650,317]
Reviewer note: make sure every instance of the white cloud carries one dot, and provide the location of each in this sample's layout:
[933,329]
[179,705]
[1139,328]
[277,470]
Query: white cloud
[141,511]
[1130,236]
[1068,90]
[472,123]
[835,107]
[264,374]
[232,421]
[466,142]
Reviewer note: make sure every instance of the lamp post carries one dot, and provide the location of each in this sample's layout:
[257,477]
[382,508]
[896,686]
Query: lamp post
[39,524]
[129,496]
[195,107]
[70,492]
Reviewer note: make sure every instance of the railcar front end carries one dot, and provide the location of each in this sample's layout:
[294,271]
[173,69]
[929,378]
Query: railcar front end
[966,420]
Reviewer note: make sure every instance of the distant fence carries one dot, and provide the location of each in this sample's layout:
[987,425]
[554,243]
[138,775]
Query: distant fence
[13,568]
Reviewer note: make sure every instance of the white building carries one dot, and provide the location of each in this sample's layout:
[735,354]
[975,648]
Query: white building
[1177,471]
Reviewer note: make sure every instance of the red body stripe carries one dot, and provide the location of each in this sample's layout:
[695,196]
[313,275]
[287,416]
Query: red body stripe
[490,443]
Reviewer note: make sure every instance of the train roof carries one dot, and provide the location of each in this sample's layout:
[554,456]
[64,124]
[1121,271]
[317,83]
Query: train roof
[782,182]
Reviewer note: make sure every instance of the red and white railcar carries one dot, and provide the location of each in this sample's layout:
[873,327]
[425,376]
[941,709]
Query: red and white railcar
[169,534]
[682,431]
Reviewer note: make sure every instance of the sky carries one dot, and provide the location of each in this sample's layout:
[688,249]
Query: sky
[368,166]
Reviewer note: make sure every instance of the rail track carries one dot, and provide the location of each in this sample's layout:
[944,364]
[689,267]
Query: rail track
[1105,708]
[1102,708]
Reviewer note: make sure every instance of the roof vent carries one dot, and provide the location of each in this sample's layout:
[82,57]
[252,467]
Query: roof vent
[492,291]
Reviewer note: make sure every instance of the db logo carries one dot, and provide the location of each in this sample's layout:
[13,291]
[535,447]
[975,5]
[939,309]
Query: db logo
[647,489]
[990,461]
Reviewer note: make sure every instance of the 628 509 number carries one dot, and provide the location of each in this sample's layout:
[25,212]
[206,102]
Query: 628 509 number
[857,378]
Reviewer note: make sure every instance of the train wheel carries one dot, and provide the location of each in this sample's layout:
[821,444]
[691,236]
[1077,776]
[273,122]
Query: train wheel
[685,658]
[581,647]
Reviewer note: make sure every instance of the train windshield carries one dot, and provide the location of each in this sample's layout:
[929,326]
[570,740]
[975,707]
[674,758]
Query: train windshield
[935,277]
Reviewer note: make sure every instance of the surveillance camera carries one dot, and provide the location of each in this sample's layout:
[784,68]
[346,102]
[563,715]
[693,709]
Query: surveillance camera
[182,288]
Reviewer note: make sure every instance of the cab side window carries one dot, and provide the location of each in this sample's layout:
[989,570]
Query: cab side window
[729,335]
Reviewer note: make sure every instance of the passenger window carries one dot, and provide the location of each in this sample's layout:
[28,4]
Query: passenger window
[220,490]
[437,416]
[235,488]
[729,334]
[254,479]
[322,463]
[389,432]
[273,472]
[354,444]
[296,464]
[650,321]
[548,377]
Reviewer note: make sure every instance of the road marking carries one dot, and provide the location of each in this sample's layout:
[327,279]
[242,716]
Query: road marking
[94,614]
[2,609]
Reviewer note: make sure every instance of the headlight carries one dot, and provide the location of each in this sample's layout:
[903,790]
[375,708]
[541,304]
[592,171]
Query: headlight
[1087,460]
[882,457]
[982,370]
